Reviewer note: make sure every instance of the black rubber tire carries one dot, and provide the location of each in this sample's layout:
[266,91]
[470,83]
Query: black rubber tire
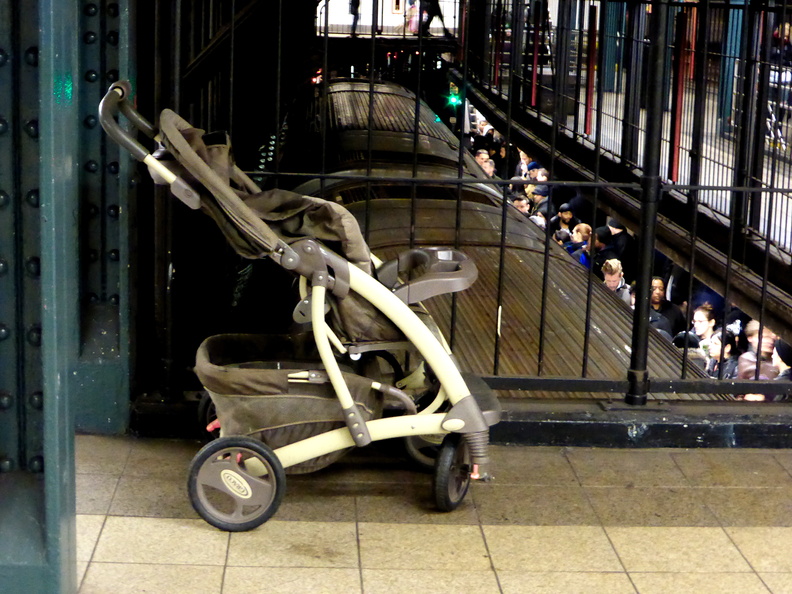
[227,494]
[206,414]
[452,473]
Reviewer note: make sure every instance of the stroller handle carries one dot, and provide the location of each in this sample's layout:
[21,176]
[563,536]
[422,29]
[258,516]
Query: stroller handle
[117,100]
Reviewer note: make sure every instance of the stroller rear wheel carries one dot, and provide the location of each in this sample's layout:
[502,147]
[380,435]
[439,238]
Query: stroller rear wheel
[207,413]
[452,473]
[236,483]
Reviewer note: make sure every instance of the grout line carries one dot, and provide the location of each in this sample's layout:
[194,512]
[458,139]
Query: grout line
[225,564]
[486,544]
[357,540]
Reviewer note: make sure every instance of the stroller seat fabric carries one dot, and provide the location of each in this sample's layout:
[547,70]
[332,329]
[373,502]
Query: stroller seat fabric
[248,379]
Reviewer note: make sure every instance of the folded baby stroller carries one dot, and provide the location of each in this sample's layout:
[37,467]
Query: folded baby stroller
[298,402]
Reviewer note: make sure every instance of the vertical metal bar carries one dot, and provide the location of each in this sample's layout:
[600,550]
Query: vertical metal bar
[60,198]
[634,49]
[579,65]
[504,205]
[747,121]
[278,98]
[323,110]
[463,107]
[559,111]
[369,131]
[591,69]
[679,74]
[416,129]
[700,97]
[601,81]
[760,132]
[637,375]
[536,50]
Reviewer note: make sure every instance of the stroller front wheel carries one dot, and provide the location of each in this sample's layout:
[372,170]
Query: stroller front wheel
[452,472]
[236,483]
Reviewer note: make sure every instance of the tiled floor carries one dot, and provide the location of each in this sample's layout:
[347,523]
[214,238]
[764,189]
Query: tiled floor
[557,520]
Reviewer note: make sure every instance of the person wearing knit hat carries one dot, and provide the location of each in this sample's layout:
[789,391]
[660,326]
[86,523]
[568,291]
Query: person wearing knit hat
[620,238]
[782,359]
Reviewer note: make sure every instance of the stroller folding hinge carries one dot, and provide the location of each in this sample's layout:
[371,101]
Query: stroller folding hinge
[285,256]
[465,417]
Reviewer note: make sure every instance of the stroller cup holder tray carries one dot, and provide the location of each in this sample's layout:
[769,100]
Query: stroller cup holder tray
[430,271]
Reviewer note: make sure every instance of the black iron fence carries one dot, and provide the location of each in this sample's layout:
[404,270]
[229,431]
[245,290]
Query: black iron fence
[669,117]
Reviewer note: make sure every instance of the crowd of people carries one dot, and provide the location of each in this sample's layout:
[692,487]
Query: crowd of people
[728,348]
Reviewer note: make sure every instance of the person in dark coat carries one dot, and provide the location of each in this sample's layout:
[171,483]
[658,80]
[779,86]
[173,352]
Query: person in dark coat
[541,200]
[565,219]
[782,359]
[665,308]
[727,363]
[354,10]
[432,10]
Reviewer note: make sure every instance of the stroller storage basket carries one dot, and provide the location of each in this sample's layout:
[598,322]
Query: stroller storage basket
[248,379]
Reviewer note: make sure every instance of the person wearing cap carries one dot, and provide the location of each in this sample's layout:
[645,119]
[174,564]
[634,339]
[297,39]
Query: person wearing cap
[541,200]
[565,219]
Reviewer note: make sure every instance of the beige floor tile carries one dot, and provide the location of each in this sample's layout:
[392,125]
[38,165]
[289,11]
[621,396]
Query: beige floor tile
[520,465]
[659,506]
[292,580]
[422,546]
[132,578]
[406,581]
[411,504]
[88,529]
[100,454]
[751,507]
[551,548]
[778,583]
[729,468]
[625,468]
[316,502]
[766,548]
[784,458]
[161,457]
[161,540]
[156,497]
[689,550]
[295,544]
[377,463]
[519,582]
[700,583]
[534,505]
[95,492]
[82,567]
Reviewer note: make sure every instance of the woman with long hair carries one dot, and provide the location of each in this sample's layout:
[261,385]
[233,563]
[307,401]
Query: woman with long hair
[728,361]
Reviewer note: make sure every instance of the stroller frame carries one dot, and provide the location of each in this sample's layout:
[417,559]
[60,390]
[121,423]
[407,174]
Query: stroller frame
[246,470]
